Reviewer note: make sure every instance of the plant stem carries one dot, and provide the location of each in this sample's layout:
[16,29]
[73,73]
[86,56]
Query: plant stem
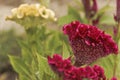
[115,65]
[87,7]
[118,10]
[117,38]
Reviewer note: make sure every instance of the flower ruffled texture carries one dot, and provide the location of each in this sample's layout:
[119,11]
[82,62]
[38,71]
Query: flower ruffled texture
[58,64]
[64,68]
[31,15]
[88,42]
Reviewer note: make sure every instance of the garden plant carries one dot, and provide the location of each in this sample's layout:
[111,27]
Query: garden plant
[85,45]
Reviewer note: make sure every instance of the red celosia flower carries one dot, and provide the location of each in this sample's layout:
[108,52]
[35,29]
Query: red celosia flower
[71,74]
[84,73]
[64,69]
[88,42]
[58,64]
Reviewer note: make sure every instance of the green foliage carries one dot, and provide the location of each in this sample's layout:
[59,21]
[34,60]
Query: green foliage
[66,19]
[118,67]
[66,52]
[38,44]
[103,10]
[108,64]
[8,45]
[34,71]
[44,68]
[8,42]
[107,19]
[20,67]
[73,14]
[73,11]
[111,65]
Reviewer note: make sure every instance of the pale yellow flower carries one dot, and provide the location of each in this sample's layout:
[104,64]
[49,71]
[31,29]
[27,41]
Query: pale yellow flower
[43,12]
[22,10]
[51,14]
[31,15]
[37,6]
[14,11]
[32,11]
[20,14]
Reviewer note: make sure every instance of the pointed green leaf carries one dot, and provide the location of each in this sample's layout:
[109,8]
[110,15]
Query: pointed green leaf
[104,9]
[23,77]
[108,63]
[66,52]
[118,62]
[118,67]
[107,19]
[44,67]
[19,66]
[66,19]
[76,13]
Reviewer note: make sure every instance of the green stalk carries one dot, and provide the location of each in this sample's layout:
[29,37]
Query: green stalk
[117,38]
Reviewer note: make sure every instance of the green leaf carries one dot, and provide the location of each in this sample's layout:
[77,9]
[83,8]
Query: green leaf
[118,67]
[26,55]
[23,77]
[54,43]
[72,15]
[19,66]
[44,67]
[25,50]
[76,13]
[104,9]
[79,2]
[108,64]
[66,19]
[66,52]
[111,63]
[118,63]
[107,19]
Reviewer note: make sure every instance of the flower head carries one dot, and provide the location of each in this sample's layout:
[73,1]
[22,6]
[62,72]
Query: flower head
[33,15]
[65,69]
[58,64]
[88,42]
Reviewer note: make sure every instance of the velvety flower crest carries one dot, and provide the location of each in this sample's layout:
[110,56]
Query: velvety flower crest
[88,42]
[58,64]
[65,69]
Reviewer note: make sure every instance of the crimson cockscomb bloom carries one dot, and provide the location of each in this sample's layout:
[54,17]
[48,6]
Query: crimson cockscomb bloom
[67,71]
[88,73]
[58,64]
[88,42]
